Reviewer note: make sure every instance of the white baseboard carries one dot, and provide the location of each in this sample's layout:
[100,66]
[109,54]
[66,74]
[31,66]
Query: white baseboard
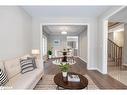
[82,59]
[92,67]
[96,70]
[99,71]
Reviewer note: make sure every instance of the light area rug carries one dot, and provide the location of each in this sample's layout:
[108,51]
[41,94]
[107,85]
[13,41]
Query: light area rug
[47,83]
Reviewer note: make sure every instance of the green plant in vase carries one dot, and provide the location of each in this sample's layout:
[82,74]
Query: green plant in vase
[64,67]
[50,53]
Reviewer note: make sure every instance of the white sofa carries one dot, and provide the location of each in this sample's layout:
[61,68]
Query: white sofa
[21,81]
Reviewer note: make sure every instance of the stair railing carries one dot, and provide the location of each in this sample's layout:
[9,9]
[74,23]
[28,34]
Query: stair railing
[115,52]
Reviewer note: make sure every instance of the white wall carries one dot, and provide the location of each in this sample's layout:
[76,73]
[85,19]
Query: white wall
[63,41]
[119,38]
[92,34]
[116,34]
[111,36]
[83,45]
[15,32]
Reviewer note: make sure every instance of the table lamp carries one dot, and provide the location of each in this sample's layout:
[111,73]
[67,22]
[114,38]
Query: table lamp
[35,52]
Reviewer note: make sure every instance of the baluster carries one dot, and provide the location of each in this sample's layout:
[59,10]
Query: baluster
[119,57]
[114,52]
[116,55]
[111,51]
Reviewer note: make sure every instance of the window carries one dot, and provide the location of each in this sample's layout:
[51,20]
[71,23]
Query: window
[44,45]
[72,41]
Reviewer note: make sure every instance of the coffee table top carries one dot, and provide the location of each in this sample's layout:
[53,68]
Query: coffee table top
[58,79]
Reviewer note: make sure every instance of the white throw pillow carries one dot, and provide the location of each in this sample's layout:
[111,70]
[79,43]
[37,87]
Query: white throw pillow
[12,67]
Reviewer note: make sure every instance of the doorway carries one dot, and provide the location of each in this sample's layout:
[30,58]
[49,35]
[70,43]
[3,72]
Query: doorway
[72,42]
[116,44]
[55,42]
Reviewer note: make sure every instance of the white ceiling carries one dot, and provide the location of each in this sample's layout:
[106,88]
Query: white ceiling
[121,16]
[66,11]
[70,29]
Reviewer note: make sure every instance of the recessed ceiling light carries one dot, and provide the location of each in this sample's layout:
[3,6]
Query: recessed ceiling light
[63,32]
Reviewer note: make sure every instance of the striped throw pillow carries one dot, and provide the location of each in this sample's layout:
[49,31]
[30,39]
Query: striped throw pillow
[33,60]
[3,78]
[27,65]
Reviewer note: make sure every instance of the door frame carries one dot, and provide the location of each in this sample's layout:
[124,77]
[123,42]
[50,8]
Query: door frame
[88,38]
[105,39]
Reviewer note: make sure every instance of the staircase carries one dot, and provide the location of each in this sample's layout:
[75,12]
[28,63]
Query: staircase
[114,53]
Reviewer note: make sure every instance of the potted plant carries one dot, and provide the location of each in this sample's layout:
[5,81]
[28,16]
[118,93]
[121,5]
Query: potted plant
[64,67]
[50,53]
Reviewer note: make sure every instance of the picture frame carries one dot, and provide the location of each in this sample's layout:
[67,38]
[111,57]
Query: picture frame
[56,42]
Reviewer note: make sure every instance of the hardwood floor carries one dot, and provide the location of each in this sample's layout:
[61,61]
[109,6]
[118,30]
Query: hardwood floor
[102,81]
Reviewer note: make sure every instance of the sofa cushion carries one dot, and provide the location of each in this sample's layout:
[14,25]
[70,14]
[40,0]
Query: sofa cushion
[12,67]
[24,81]
[39,64]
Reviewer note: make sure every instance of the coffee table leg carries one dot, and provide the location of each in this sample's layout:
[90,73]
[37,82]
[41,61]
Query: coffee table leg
[57,88]
[87,87]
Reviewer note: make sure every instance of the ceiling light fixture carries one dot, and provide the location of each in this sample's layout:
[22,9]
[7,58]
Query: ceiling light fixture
[63,32]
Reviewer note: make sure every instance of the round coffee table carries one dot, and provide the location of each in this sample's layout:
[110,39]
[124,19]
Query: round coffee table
[61,82]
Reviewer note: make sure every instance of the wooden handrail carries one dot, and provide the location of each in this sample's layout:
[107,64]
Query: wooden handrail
[113,43]
[115,52]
